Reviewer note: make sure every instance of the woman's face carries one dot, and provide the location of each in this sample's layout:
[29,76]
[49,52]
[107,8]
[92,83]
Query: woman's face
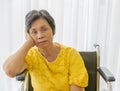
[41,33]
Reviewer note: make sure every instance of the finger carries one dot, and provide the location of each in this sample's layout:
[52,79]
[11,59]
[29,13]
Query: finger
[26,34]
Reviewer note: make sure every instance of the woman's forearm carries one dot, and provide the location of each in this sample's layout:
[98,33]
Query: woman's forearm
[15,63]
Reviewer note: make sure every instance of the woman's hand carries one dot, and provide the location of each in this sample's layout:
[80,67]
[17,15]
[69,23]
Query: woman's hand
[29,38]
[75,88]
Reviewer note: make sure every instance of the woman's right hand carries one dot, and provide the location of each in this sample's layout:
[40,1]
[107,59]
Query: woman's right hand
[29,38]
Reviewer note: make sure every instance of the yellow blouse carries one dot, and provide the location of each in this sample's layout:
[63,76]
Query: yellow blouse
[68,68]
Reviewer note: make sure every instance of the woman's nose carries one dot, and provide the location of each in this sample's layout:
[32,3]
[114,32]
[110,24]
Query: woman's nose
[40,35]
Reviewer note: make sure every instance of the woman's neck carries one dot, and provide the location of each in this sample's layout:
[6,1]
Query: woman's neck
[50,52]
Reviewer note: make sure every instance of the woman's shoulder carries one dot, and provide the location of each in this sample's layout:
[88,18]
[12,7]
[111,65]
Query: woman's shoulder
[67,49]
[33,50]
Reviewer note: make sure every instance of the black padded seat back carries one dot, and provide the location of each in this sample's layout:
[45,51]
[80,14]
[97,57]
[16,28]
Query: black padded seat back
[90,61]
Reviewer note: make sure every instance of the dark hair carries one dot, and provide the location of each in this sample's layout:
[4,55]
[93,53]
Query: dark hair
[34,15]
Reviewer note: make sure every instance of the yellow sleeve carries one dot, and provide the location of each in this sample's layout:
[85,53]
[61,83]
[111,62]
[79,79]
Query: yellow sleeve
[28,59]
[77,72]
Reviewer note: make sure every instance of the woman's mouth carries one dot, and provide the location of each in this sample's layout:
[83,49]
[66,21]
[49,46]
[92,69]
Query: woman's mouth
[42,42]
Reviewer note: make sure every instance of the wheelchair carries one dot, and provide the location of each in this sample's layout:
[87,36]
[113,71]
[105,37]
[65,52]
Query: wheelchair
[92,63]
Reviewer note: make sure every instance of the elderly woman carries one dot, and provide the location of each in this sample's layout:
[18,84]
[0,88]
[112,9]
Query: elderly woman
[52,66]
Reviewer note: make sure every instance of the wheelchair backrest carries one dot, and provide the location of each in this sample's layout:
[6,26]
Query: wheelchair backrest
[90,61]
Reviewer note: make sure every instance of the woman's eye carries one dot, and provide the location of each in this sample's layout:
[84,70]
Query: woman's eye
[34,32]
[44,29]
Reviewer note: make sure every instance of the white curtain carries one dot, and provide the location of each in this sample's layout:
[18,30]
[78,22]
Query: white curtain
[79,23]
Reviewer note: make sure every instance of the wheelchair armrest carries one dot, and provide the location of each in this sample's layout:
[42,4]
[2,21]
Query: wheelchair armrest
[21,76]
[106,74]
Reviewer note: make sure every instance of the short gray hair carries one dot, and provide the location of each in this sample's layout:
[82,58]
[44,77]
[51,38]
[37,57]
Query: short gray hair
[35,14]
